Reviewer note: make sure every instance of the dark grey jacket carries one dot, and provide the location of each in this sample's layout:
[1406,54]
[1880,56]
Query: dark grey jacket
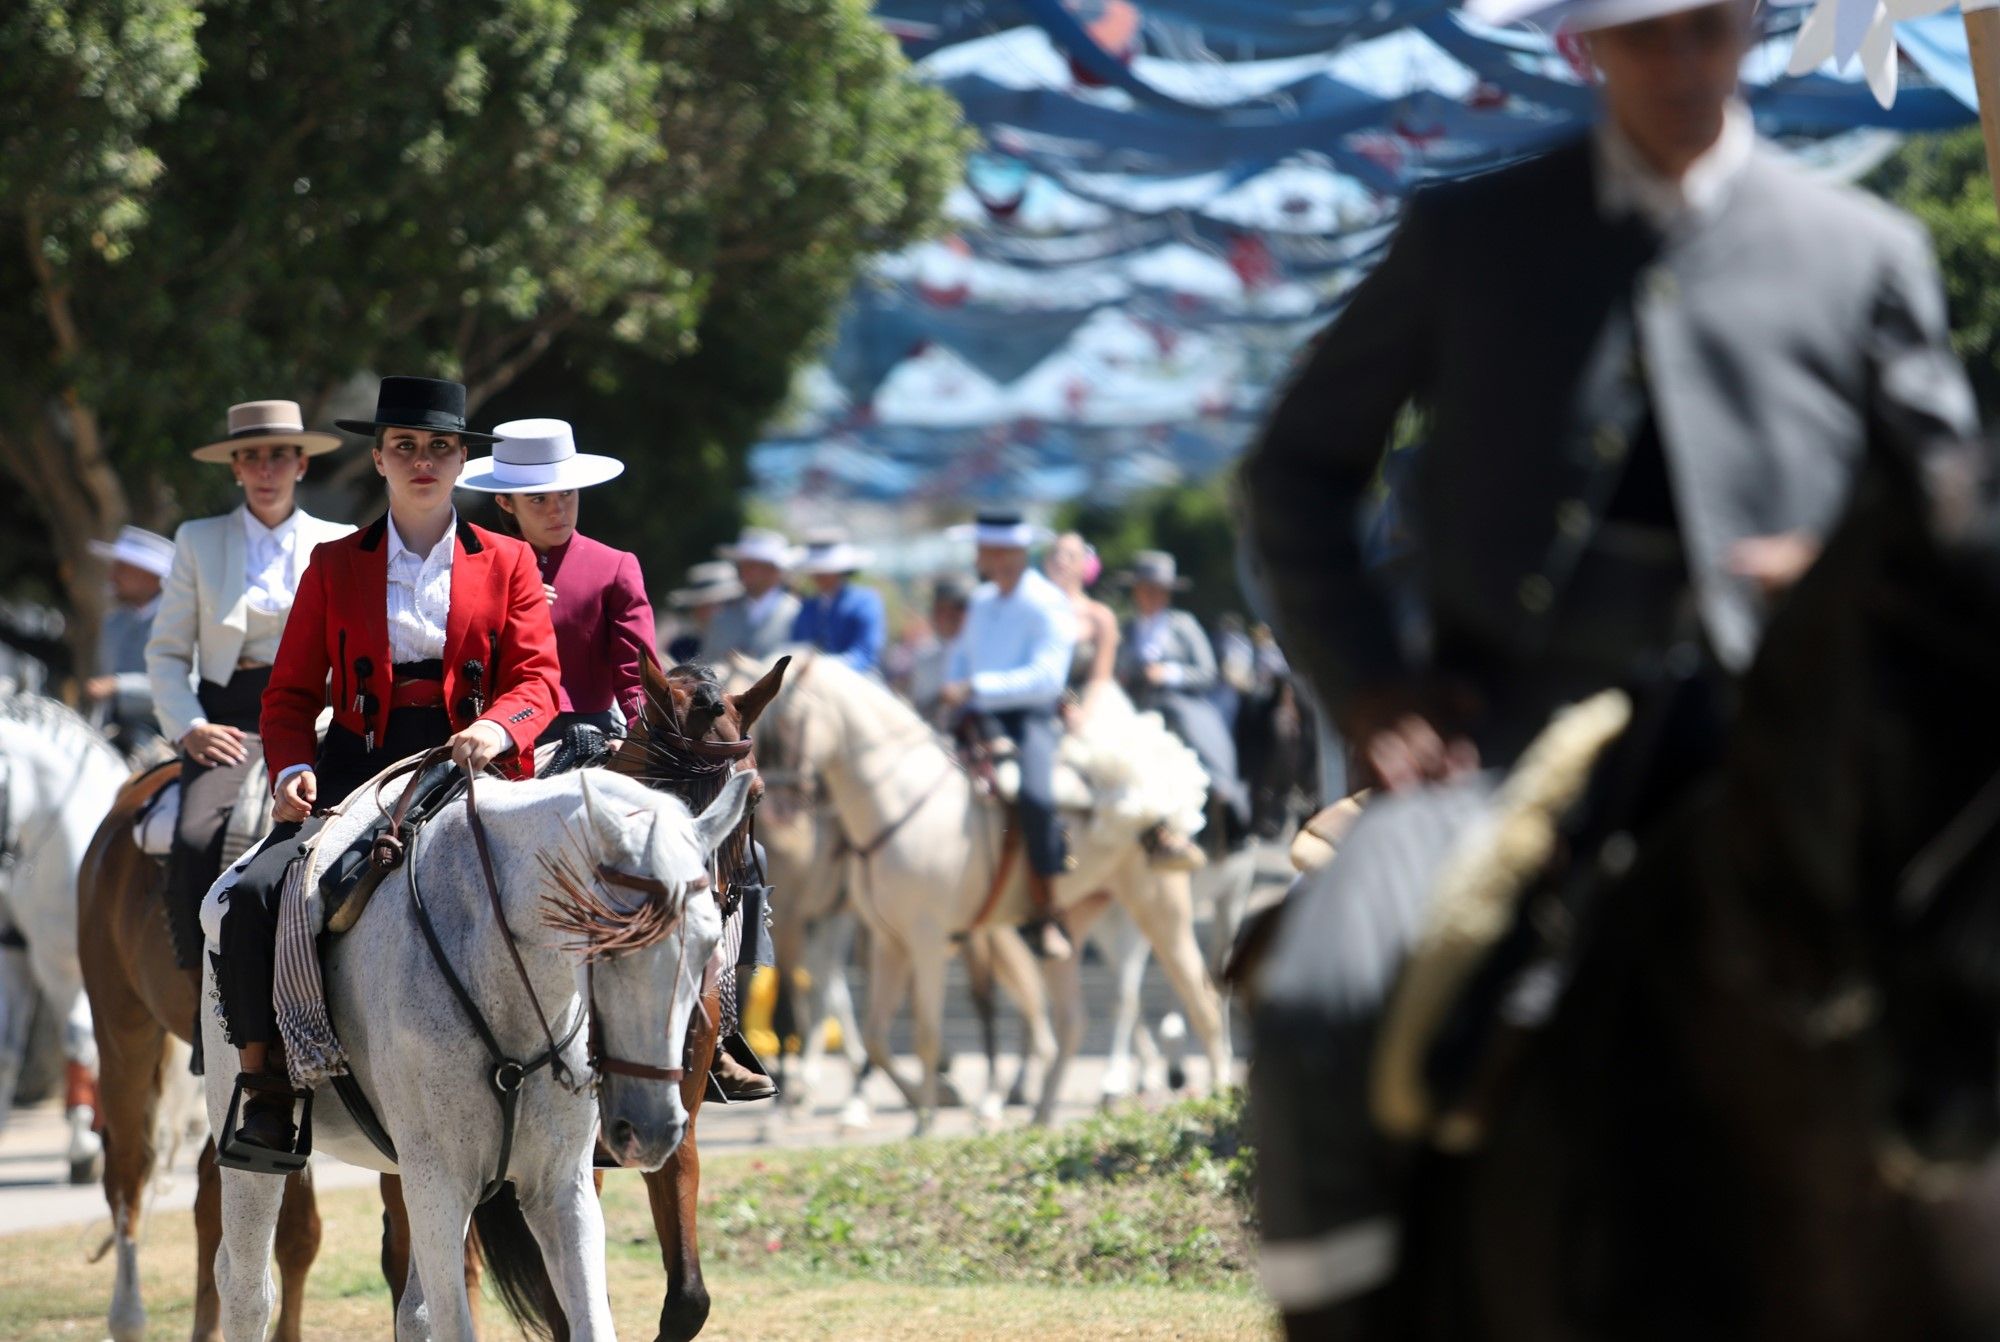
[1777,341]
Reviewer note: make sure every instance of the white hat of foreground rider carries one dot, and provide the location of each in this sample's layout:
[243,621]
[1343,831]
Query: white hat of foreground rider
[761,545]
[140,548]
[1582,16]
[537,456]
[829,551]
[1003,530]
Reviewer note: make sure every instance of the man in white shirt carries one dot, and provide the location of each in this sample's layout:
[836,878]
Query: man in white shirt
[759,621]
[1007,672]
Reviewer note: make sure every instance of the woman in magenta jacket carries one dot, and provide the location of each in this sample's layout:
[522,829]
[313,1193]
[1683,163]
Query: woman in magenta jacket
[597,596]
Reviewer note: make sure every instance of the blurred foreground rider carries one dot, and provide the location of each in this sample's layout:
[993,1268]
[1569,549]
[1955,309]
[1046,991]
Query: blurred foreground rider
[1651,363]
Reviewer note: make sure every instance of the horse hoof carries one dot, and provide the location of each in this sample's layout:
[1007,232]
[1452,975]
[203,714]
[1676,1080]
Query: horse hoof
[1177,1079]
[855,1116]
[85,1171]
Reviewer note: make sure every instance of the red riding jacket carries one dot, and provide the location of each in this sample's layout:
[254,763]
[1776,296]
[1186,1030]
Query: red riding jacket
[499,651]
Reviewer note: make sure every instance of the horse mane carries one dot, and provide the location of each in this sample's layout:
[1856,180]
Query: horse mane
[883,705]
[54,719]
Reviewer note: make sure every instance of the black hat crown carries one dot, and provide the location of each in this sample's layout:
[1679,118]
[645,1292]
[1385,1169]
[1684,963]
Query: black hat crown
[418,403]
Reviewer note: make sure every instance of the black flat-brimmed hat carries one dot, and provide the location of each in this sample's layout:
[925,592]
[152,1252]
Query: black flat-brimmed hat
[418,403]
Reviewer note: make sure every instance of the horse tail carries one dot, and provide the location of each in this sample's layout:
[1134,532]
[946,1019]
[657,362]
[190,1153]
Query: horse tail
[515,1259]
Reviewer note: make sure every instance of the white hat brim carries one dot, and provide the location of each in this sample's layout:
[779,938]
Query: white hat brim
[311,442]
[578,472]
[1577,16]
[851,562]
[788,559]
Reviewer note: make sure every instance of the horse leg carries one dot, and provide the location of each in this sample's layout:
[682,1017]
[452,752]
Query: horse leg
[80,1098]
[297,1246]
[243,1262]
[1127,952]
[435,1292]
[674,1192]
[889,976]
[395,1240]
[133,1058]
[207,1240]
[818,946]
[1065,982]
[568,1223]
[1163,910]
[927,1020]
[1020,977]
[839,995]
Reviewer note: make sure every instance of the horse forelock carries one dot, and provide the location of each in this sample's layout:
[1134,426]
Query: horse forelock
[598,908]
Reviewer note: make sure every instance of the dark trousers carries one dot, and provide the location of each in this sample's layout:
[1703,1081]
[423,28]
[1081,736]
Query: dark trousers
[246,955]
[1036,734]
[208,795]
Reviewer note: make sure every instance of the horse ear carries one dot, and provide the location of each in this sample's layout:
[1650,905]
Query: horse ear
[725,813]
[654,680]
[750,704]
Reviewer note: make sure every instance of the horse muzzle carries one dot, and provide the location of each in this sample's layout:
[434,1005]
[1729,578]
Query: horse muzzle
[641,1131]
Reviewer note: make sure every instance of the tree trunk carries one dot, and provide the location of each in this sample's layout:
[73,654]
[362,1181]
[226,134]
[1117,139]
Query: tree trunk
[59,459]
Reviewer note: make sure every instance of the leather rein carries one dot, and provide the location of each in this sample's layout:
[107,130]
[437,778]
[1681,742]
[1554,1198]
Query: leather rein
[508,1074]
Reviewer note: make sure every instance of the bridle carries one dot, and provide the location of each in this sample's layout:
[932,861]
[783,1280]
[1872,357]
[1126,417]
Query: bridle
[507,1074]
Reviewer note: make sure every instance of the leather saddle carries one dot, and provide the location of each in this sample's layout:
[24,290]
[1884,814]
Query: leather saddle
[347,878]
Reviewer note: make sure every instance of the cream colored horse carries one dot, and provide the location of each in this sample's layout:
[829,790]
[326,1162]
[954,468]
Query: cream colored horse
[921,849]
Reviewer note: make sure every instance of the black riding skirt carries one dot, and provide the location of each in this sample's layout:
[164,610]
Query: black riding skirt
[249,927]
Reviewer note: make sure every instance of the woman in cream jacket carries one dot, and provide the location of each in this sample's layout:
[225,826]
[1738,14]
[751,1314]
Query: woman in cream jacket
[221,613]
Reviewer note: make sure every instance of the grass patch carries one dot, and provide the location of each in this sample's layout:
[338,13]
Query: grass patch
[1128,1227]
[1155,1198]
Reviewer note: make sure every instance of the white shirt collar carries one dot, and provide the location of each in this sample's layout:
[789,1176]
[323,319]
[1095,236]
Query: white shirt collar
[280,533]
[442,551]
[1627,184]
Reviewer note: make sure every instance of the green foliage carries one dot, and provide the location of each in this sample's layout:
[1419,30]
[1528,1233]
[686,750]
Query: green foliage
[1195,523]
[1141,1197]
[660,201]
[1942,180]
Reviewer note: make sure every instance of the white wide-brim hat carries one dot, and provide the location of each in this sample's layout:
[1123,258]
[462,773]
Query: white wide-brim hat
[759,545]
[138,547]
[536,456]
[1579,16]
[834,557]
[1004,530]
[257,422]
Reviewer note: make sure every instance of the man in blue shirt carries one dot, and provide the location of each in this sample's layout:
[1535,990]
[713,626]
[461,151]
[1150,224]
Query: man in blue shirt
[1008,671]
[841,619]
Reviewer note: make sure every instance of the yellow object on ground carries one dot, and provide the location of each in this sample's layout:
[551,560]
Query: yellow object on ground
[762,1004]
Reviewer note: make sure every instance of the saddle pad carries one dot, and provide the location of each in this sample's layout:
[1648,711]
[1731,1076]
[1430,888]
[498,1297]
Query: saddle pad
[153,828]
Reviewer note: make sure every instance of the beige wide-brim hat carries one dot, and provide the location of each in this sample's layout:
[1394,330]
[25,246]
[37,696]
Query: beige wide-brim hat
[254,423]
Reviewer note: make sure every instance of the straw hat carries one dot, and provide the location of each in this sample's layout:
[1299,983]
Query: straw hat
[828,551]
[708,584]
[1004,530]
[256,422]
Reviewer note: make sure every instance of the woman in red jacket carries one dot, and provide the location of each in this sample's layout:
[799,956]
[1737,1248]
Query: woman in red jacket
[597,597]
[421,631]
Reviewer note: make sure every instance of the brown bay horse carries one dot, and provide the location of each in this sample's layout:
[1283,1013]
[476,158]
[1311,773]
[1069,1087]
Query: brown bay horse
[139,997]
[689,738]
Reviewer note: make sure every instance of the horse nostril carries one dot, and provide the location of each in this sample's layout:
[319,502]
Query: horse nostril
[622,1134]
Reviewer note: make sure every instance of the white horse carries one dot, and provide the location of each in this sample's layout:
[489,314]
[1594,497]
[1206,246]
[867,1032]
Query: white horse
[603,883]
[57,778]
[923,847]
